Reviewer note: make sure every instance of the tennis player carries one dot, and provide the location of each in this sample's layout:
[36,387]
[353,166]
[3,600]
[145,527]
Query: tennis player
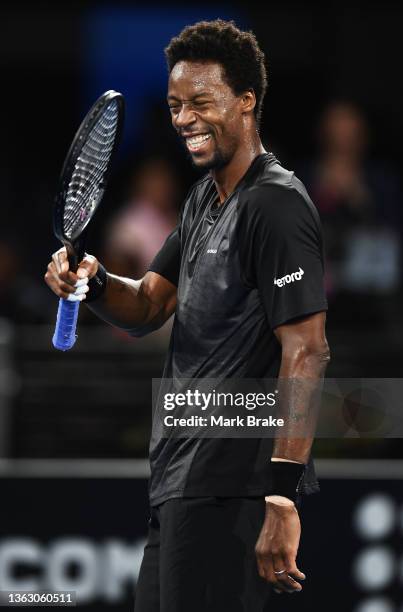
[243,273]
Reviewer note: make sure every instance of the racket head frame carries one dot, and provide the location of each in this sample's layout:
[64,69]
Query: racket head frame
[75,245]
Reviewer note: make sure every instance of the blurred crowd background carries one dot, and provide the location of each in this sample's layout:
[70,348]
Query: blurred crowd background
[332,113]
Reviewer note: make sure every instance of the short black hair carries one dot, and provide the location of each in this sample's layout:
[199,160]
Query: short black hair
[221,41]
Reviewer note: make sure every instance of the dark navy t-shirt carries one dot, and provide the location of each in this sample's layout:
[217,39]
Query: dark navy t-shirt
[242,268]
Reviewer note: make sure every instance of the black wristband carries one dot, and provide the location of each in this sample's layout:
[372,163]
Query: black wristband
[286,479]
[97,284]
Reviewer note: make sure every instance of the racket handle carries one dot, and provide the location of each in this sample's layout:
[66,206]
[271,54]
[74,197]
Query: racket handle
[66,323]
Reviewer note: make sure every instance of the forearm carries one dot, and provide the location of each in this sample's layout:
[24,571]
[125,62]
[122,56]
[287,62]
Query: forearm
[124,304]
[300,383]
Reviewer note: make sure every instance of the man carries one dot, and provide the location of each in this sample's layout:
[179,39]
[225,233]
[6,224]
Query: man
[243,273]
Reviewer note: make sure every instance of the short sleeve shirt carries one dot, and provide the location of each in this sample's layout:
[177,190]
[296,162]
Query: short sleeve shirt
[242,268]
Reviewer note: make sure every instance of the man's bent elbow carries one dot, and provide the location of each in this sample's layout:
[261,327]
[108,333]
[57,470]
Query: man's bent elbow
[143,329]
[316,353]
[323,352]
[140,330]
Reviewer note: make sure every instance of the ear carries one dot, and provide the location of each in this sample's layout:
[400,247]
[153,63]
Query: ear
[248,101]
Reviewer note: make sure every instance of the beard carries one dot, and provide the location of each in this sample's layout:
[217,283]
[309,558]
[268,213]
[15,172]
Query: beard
[217,160]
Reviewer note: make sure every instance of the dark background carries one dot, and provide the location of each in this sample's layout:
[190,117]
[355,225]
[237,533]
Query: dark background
[55,59]
[87,535]
[316,53]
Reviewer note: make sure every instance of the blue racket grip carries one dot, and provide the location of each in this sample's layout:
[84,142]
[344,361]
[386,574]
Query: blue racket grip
[66,323]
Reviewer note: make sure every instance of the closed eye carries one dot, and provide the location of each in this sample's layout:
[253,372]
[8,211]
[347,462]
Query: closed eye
[196,104]
[201,104]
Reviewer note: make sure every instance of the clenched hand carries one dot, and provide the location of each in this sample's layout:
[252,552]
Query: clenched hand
[65,283]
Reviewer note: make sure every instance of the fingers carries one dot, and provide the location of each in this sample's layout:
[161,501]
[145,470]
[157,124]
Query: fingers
[56,284]
[61,261]
[67,278]
[65,283]
[88,267]
[286,581]
[74,290]
[294,572]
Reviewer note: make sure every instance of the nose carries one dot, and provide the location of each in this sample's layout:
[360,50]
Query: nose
[185,117]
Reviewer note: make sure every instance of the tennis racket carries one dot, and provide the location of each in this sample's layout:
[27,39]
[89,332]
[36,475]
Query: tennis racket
[82,185]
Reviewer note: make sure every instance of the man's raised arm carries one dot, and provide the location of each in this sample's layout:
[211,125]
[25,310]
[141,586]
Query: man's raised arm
[137,306]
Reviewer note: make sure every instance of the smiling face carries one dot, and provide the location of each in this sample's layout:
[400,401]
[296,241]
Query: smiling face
[206,113]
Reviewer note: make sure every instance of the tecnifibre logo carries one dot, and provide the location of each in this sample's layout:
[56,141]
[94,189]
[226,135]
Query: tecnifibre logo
[289,278]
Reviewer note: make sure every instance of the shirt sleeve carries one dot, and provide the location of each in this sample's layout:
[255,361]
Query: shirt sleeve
[167,261]
[281,252]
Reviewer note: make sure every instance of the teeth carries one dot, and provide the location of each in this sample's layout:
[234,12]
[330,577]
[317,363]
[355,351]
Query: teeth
[198,140]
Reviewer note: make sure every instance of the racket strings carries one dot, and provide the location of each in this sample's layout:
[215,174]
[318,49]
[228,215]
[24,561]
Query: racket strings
[85,188]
